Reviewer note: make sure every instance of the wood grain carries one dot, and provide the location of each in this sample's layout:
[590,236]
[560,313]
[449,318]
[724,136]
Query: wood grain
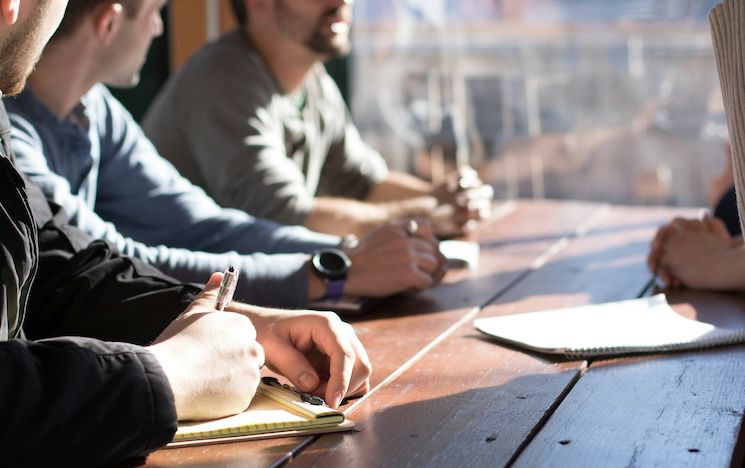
[681,409]
[471,402]
[401,328]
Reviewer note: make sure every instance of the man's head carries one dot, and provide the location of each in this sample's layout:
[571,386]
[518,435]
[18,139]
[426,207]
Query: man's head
[122,30]
[321,26]
[26,27]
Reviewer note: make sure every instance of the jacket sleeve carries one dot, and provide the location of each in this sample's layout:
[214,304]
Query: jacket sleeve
[87,288]
[178,214]
[81,402]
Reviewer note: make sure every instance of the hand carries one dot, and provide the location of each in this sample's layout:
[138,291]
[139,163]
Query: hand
[698,254]
[658,243]
[211,359]
[316,351]
[463,201]
[390,260]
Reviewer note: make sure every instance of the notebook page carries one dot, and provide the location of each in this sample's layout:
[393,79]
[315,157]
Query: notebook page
[642,324]
[263,415]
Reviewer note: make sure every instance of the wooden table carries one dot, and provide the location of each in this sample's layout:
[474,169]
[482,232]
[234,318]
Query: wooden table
[445,396]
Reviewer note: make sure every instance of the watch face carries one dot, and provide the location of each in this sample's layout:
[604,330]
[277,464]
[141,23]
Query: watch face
[332,264]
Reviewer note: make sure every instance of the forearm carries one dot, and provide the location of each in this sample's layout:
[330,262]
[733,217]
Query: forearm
[115,397]
[342,216]
[399,186]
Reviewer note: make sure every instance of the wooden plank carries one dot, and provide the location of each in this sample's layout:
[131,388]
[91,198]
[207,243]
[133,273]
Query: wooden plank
[471,402]
[188,30]
[508,248]
[681,409]
[227,19]
[404,326]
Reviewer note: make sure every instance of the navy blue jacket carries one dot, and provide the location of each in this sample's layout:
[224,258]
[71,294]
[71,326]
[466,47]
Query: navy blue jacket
[76,386]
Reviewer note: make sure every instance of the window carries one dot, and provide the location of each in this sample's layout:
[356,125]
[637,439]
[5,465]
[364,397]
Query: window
[604,100]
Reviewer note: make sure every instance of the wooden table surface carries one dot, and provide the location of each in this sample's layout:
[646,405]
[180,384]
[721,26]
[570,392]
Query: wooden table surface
[443,395]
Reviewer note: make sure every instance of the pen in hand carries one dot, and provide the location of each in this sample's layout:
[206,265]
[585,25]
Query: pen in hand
[227,288]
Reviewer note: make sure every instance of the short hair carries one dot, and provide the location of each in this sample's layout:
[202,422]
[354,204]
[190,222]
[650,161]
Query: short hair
[240,12]
[77,9]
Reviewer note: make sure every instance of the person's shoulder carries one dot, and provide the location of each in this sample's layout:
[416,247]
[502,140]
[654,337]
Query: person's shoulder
[229,61]
[26,105]
[27,118]
[100,104]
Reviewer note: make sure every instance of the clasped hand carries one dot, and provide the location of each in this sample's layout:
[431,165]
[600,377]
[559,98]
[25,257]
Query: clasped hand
[464,200]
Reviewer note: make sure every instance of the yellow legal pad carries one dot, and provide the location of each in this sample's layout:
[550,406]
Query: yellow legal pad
[275,411]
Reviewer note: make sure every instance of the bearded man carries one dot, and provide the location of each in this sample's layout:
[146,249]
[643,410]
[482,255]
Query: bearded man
[256,121]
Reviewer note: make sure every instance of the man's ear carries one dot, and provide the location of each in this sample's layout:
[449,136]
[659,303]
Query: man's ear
[10,11]
[107,19]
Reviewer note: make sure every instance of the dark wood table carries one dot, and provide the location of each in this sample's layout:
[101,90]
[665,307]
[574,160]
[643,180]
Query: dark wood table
[445,396]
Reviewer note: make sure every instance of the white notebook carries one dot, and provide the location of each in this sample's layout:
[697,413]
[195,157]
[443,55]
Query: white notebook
[647,325]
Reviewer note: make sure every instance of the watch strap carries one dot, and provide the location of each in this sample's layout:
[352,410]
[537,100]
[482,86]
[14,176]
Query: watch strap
[334,289]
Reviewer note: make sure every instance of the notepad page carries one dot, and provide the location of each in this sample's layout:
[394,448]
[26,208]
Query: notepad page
[262,416]
[646,324]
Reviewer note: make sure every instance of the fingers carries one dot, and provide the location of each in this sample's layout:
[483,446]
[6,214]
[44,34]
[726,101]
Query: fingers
[289,362]
[653,260]
[342,356]
[319,353]
[716,226]
[418,227]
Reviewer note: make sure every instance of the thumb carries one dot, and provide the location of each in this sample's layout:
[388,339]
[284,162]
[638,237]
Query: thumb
[212,287]
[289,362]
[214,281]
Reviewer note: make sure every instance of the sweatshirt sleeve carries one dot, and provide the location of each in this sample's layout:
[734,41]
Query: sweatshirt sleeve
[81,402]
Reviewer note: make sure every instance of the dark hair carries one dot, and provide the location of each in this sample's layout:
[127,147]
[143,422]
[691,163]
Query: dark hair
[239,10]
[77,9]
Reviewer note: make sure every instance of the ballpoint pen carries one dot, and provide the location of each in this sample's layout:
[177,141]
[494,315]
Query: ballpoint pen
[227,288]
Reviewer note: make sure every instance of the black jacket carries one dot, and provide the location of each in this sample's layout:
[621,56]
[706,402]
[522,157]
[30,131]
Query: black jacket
[64,399]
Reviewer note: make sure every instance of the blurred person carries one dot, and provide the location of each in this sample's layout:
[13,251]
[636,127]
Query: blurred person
[88,154]
[255,119]
[101,354]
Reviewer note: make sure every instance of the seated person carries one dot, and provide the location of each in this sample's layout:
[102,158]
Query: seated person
[723,198]
[86,152]
[703,253]
[255,120]
[100,354]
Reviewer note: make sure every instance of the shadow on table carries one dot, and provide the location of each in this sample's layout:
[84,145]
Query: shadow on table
[477,427]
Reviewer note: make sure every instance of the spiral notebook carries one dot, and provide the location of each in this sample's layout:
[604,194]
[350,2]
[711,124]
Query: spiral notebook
[276,411]
[647,325]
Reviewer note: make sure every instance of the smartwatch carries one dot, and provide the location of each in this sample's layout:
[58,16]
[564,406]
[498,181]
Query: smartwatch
[332,266]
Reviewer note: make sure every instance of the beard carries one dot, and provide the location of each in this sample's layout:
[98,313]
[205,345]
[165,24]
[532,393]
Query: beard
[19,52]
[333,46]
[330,47]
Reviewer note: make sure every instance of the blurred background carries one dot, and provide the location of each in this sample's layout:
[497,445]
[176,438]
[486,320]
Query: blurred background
[602,100]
